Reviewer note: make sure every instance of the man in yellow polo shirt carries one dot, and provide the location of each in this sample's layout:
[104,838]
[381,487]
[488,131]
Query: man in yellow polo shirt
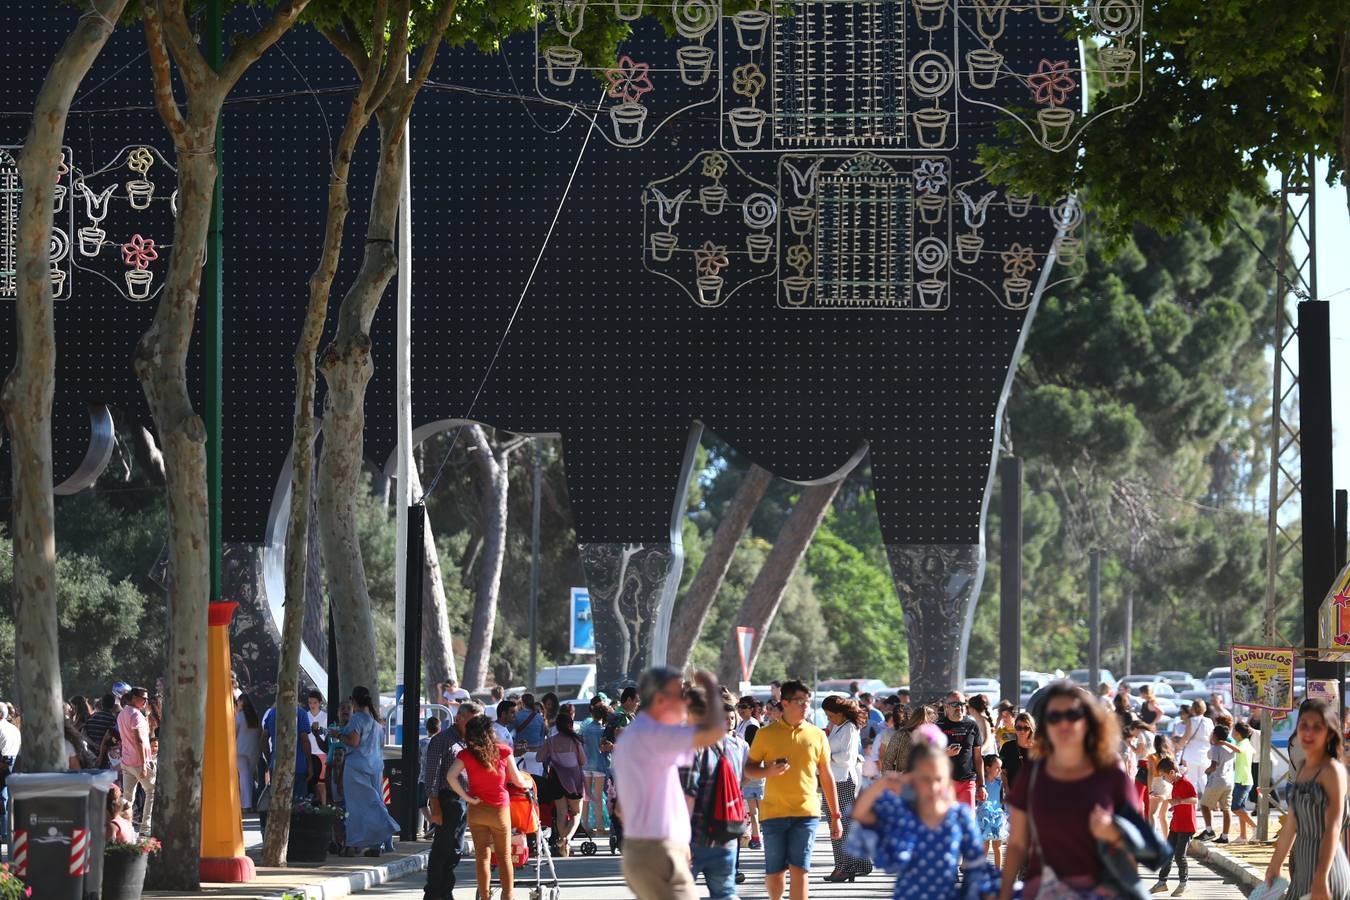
[793,756]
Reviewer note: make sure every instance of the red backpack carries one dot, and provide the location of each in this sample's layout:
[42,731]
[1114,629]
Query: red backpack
[726,819]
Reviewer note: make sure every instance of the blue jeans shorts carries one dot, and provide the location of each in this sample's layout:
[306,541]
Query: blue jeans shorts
[1240,792]
[788,842]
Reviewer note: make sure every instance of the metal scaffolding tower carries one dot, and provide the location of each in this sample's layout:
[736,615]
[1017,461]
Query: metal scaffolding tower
[1296,279]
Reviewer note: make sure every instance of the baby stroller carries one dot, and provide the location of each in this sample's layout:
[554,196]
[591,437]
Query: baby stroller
[615,823]
[525,822]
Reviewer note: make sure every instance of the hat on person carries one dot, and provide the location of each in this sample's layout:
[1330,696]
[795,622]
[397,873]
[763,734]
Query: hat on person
[120,687]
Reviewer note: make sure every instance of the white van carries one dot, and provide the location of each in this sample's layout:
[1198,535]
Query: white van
[568,682]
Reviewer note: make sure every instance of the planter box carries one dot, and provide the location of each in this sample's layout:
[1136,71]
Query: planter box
[309,839]
[124,875]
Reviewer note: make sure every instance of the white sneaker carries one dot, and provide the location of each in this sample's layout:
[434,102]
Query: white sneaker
[1180,891]
[1239,840]
[1159,888]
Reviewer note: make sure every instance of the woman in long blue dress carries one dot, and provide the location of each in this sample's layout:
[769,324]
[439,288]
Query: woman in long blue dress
[368,823]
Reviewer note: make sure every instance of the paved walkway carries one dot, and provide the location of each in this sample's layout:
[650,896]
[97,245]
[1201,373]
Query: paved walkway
[598,878]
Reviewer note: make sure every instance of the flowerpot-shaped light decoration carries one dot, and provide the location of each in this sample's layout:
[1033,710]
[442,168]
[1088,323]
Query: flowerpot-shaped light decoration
[931,13]
[751,27]
[1018,262]
[968,247]
[747,122]
[798,287]
[138,253]
[930,186]
[982,68]
[628,10]
[931,292]
[628,82]
[931,125]
[695,63]
[759,211]
[1117,65]
[58,276]
[800,219]
[709,261]
[561,63]
[1051,86]
[91,237]
[713,197]
[663,245]
[1018,205]
[140,191]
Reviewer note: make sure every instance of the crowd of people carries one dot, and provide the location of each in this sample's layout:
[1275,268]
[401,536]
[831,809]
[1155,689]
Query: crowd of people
[953,798]
[957,798]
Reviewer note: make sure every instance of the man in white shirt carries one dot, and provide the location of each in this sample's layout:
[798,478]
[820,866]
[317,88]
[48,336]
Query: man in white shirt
[10,739]
[646,762]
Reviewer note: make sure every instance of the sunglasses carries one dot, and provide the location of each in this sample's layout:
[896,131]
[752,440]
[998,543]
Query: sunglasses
[1076,714]
[1021,728]
[956,704]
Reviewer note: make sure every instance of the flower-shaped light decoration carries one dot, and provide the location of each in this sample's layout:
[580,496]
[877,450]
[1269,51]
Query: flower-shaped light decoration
[140,160]
[629,80]
[1018,260]
[799,258]
[139,252]
[1052,83]
[748,81]
[62,169]
[714,166]
[930,176]
[710,259]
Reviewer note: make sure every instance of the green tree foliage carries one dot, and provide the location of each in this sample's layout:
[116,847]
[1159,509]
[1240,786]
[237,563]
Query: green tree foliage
[111,615]
[1231,89]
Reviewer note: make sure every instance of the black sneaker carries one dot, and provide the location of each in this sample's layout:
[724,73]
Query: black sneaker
[1222,840]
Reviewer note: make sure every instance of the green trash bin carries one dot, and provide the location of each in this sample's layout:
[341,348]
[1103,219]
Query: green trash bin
[58,831]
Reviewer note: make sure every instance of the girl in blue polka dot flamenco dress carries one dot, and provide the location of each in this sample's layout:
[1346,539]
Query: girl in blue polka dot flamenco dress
[911,826]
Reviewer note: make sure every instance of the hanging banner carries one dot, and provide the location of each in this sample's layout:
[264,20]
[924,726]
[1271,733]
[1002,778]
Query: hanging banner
[1333,621]
[745,642]
[1263,677]
[1323,689]
[583,628]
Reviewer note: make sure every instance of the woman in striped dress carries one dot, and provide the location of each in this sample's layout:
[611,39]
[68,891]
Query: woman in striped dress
[846,721]
[1311,837]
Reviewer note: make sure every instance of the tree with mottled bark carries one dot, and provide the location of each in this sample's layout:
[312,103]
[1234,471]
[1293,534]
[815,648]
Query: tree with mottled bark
[377,37]
[492,458]
[26,396]
[160,361]
[347,363]
[761,602]
[438,654]
[687,625]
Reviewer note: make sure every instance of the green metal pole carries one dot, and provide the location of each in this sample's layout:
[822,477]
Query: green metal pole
[213,283]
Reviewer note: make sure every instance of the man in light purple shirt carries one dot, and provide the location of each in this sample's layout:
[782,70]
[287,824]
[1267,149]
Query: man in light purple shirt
[645,766]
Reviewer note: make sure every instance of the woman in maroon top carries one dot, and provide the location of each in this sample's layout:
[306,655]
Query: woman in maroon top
[1066,794]
[488,766]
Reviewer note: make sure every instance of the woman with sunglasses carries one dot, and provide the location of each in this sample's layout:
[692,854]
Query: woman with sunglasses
[1318,867]
[1065,796]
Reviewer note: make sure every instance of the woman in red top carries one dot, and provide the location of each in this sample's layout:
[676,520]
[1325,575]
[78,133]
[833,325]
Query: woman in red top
[1066,794]
[488,766]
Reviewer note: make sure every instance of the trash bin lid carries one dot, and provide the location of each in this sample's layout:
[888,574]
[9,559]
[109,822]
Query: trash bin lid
[58,784]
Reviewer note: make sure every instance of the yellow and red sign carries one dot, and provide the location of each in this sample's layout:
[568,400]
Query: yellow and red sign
[1263,677]
[1333,621]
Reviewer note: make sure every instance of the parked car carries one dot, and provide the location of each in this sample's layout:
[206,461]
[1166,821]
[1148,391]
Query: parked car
[1104,676]
[1031,682]
[1135,680]
[1219,677]
[844,686]
[1225,693]
[1174,675]
[987,686]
